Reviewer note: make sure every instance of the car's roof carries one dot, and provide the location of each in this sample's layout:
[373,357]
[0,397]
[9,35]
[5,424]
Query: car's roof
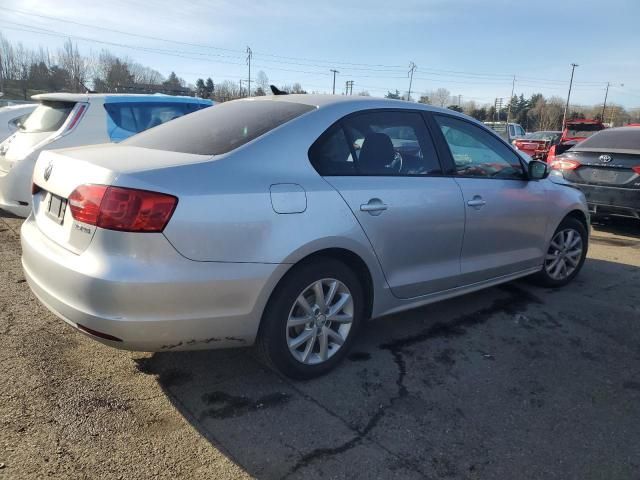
[358,102]
[625,128]
[86,97]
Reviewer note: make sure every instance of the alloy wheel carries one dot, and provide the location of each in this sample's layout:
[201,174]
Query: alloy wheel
[320,321]
[564,254]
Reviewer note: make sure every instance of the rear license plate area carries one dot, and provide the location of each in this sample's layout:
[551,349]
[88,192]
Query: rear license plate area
[604,176]
[55,208]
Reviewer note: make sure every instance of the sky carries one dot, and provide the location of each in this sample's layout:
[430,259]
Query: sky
[473,48]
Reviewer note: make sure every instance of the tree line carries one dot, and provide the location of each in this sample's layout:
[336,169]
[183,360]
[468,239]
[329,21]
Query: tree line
[24,72]
[534,113]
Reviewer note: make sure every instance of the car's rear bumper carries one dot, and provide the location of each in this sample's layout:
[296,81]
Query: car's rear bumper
[612,200]
[154,301]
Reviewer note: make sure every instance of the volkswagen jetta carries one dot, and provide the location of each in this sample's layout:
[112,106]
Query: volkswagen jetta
[287,221]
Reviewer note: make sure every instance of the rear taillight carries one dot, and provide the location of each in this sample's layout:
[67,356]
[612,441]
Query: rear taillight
[551,155]
[124,209]
[636,169]
[85,201]
[77,115]
[562,164]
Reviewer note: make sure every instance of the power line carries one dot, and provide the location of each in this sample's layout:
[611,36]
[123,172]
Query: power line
[315,62]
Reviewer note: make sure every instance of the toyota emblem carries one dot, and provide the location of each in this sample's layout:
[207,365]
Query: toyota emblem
[47,171]
[605,158]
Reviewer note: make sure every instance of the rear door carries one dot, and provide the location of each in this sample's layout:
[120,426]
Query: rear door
[506,215]
[384,165]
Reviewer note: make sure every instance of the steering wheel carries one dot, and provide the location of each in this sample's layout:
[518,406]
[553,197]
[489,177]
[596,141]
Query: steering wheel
[396,164]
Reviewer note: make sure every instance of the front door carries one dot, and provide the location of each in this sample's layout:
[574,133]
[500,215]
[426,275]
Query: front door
[506,216]
[384,165]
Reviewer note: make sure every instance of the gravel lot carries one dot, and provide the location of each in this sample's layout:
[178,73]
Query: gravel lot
[512,382]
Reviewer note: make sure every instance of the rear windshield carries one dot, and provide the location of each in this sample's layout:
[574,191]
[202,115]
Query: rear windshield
[219,129]
[136,117]
[615,138]
[47,117]
[582,130]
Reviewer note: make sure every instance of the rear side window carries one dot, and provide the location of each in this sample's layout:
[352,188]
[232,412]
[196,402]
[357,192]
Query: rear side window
[220,129]
[387,143]
[47,117]
[129,118]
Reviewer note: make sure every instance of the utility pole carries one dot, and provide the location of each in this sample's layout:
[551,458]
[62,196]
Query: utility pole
[606,94]
[459,100]
[513,87]
[604,105]
[348,89]
[497,106]
[249,55]
[566,107]
[412,68]
[334,80]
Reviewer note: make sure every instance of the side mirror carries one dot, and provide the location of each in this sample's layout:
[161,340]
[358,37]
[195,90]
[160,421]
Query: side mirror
[538,170]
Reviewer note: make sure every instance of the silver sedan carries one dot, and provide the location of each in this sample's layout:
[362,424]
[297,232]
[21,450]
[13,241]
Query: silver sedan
[287,222]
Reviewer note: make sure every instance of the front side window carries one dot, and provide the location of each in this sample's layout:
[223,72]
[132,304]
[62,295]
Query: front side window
[47,117]
[477,153]
[376,143]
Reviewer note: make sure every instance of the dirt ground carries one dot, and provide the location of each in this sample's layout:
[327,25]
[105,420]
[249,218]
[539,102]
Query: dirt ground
[512,382]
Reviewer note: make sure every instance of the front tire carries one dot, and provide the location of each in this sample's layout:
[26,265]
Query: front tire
[565,255]
[312,318]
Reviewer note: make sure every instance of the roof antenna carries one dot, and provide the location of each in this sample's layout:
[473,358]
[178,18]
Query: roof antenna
[276,91]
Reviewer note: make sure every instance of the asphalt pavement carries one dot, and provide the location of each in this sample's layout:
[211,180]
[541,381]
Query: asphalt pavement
[511,382]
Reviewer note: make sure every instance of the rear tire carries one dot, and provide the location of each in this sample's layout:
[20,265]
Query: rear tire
[312,319]
[565,254]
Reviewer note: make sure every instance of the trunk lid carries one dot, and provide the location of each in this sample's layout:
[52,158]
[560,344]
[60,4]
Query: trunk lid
[602,168]
[59,172]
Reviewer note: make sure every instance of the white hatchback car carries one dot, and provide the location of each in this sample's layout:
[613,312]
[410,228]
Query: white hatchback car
[64,120]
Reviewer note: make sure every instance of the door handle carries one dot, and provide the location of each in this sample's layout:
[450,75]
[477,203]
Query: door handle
[476,202]
[374,206]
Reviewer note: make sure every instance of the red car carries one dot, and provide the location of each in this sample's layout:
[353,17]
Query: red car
[537,144]
[574,132]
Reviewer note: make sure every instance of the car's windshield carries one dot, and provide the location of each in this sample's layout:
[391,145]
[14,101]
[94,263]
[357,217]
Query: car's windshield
[47,117]
[219,129]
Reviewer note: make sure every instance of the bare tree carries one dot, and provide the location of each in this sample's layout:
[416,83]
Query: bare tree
[227,90]
[262,81]
[440,97]
[144,75]
[77,66]
[22,62]
[6,61]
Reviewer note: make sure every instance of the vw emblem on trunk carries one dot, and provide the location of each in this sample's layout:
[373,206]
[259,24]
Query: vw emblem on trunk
[47,171]
[605,158]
